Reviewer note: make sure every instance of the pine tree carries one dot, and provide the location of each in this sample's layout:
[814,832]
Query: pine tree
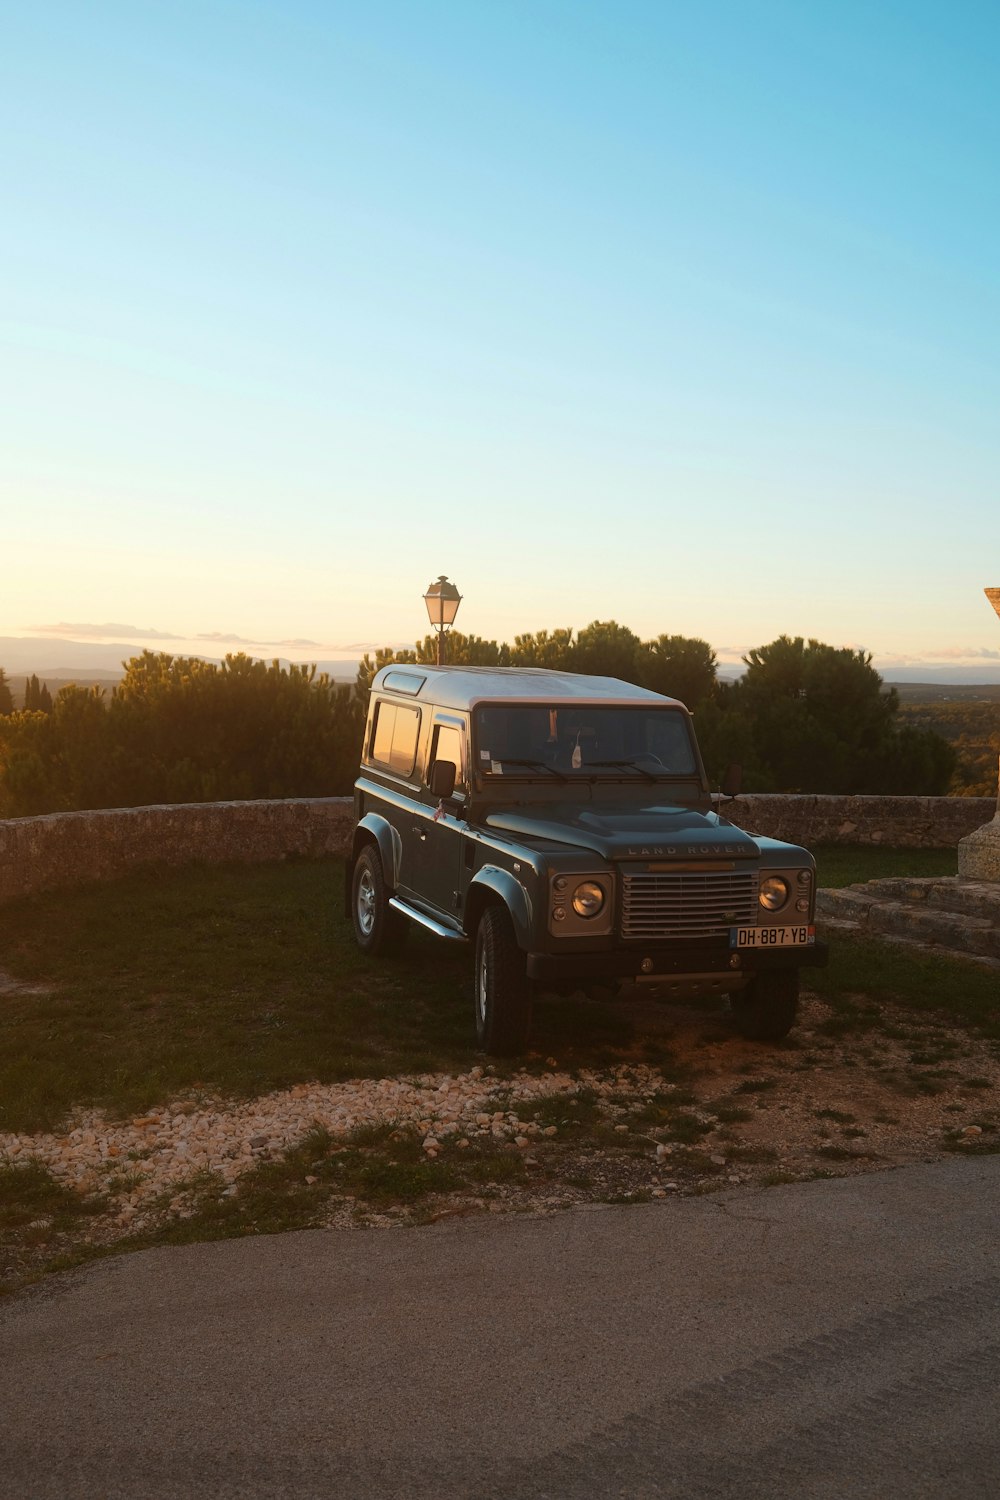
[6,696]
[37,698]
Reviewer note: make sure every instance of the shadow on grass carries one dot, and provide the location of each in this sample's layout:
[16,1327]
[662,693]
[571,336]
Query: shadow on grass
[863,973]
[849,864]
[235,981]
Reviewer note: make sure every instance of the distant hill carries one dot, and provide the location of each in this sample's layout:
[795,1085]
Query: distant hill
[22,655]
[101,662]
[955,692]
[987,673]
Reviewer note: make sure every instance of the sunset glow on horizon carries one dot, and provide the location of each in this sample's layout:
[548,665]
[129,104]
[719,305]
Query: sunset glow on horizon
[682,318]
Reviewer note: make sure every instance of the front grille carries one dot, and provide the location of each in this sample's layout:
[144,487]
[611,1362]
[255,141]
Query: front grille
[687,904]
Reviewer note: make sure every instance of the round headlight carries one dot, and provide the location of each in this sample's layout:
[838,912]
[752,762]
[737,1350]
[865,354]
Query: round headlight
[588,898]
[773,893]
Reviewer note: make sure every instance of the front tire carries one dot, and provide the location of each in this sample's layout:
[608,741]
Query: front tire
[377,928]
[765,1011]
[501,989]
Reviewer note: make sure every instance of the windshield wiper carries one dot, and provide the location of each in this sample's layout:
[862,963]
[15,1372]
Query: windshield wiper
[535,765]
[633,765]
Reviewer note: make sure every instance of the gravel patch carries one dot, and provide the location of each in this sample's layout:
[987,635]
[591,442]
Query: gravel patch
[169,1144]
[723,1113]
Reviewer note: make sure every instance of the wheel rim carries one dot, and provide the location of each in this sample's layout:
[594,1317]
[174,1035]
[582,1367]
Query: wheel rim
[366,903]
[481,988]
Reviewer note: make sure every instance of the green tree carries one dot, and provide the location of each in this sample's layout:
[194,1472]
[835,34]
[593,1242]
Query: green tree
[680,667]
[606,649]
[37,698]
[543,649]
[384,657]
[29,778]
[6,696]
[245,729]
[464,651]
[810,717]
[178,729]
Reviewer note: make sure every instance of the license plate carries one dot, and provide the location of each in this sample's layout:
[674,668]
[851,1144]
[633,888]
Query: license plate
[771,937]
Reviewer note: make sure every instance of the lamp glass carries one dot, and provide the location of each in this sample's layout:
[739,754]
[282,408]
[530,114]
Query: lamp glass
[442,600]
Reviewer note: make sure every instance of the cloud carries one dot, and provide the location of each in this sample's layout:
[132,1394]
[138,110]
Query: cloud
[359,646]
[229,638]
[115,631]
[943,654]
[967,653]
[107,632]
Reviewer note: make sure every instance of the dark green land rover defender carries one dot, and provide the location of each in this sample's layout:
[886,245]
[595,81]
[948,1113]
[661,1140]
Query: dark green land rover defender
[564,825]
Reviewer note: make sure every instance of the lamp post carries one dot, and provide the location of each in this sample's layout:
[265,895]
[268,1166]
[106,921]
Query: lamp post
[442,600]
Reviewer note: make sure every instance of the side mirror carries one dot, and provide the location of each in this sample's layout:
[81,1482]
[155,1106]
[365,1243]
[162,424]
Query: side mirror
[442,779]
[733,780]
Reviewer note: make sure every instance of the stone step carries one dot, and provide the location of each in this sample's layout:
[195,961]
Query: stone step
[851,903]
[934,913]
[945,929]
[832,926]
[946,892]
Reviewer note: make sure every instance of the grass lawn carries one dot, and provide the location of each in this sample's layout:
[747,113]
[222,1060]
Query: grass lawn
[242,979]
[849,864]
[239,980]
[236,980]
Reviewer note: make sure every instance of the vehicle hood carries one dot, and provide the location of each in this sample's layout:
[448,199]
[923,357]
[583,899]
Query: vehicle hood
[655,830]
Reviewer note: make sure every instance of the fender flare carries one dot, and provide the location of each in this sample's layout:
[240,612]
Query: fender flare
[491,884]
[374,829]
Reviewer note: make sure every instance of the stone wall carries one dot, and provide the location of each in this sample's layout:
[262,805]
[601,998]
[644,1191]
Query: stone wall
[899,822]
[67,849]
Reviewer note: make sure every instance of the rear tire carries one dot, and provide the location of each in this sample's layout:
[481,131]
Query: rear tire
[501,990]
[765,1011]
[377,928]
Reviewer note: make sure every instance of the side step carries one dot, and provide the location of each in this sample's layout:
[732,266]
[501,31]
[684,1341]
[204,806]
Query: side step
[425,921]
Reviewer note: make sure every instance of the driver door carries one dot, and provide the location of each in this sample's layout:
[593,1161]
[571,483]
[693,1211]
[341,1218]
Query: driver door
[438,836]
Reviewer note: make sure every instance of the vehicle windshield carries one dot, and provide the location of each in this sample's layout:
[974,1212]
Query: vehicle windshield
[578,741]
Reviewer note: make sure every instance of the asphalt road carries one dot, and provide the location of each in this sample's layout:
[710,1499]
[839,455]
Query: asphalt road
[830,1339]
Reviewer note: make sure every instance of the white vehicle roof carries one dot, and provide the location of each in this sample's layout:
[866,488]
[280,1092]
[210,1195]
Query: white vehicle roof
[464,687]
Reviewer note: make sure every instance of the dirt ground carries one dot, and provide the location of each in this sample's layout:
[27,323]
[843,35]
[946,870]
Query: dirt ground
[833,1099]
[844,1093]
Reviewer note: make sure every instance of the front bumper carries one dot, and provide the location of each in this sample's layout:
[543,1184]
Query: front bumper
[672,961]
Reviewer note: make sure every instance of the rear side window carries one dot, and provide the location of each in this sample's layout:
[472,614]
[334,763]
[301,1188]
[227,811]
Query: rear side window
[394,737]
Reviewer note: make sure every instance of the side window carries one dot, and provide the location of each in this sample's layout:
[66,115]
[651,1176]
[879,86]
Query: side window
[448,744]
[394,737]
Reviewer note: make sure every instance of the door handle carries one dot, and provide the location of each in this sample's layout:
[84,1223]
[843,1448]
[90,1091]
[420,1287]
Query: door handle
[420,831]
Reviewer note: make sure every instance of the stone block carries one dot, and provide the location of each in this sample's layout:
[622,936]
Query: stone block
[979,854]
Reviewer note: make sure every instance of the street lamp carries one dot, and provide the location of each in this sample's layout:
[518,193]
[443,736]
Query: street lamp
[442,600]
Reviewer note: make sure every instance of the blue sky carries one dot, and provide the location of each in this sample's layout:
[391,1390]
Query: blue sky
[686,316]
